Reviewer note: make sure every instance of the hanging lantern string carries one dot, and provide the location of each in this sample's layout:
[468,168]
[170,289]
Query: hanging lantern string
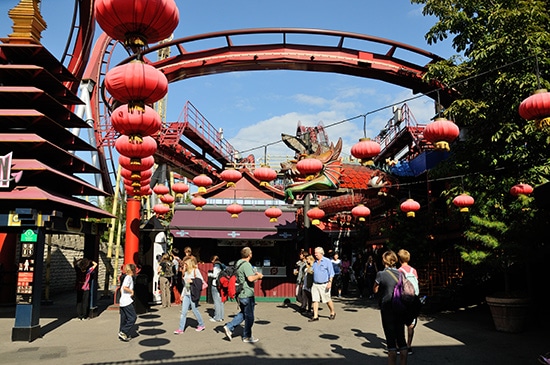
[365,125]
[450,86]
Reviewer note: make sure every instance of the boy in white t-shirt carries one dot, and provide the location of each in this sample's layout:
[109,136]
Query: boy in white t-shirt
[126,309]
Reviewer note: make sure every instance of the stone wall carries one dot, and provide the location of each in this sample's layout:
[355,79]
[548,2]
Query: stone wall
[64,249]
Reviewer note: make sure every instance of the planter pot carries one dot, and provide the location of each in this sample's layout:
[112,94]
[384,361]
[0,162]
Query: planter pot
[509,314]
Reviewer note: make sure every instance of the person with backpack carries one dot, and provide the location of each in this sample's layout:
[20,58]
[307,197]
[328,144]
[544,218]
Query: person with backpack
[246,276]
[216,293]
[393,321]
[411,275]
[166,272]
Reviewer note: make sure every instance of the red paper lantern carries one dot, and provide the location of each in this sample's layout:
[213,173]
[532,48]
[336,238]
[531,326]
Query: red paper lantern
[315,215]
[137,23]
[202,181]
[463,201]
[167,198]
[440,133]
[136,175]
[521,189]
[180,188]
[410,206]
[161,189]
[138,192]
[536,107]
[265,175]
[231,176]
[365,150]
[134,148]
[136,84]
[273,213]
[360,211]
[234,209]
[309,167]
[161,209]
[129,164]
[198,202]
[136,122]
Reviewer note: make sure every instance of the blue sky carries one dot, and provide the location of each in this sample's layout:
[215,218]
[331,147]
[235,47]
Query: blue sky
[254,108]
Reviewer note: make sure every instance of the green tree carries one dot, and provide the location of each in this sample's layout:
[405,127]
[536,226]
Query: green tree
[504,46]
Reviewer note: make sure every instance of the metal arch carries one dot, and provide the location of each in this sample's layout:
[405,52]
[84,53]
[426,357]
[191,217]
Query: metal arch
[336,58]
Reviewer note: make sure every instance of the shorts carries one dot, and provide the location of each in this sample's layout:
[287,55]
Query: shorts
[319,293]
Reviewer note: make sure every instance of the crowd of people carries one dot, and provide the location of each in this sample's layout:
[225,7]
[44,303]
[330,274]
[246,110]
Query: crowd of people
[319,278]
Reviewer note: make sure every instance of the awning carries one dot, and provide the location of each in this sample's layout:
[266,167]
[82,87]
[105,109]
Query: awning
[218,224]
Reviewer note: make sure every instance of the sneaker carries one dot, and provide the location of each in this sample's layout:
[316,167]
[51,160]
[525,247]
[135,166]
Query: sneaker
[250,339]
[410,351]
[178,332]
[213,320]
[228,333]
[123,336]
[200,328]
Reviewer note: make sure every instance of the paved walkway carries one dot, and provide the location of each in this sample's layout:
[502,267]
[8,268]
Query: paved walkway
[286,337]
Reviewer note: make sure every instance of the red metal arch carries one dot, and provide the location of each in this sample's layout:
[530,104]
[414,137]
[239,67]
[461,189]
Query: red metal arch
[237,52]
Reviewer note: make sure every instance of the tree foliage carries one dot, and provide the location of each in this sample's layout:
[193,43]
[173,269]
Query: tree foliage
[505,47]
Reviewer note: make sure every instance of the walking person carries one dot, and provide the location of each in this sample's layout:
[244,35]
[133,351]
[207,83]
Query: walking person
[190,272]
[126,308]
[299,272]
[323,274]
[393,322]
[219,310]
[177,283]
[84,269]
[308,282]
[411,274]
[371,269]
[166,274]
[246,276]
[336,288]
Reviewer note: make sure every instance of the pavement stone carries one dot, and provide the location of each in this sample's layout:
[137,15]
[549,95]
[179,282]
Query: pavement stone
[286,337]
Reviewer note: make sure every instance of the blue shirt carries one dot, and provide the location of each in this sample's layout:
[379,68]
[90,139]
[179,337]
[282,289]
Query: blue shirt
[322,271]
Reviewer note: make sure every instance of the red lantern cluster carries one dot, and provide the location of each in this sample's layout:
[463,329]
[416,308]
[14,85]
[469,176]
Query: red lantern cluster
[265,175]
[137,22]
[365,150]
[273,213]
[361,212]
[537,107]
[309,167]
[464,202]
[440,133]
[410,206]
[521,189]
[315,214]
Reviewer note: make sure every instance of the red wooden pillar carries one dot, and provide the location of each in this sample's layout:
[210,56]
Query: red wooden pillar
[131,247]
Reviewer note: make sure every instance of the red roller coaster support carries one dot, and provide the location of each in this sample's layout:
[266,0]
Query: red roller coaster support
[131,247]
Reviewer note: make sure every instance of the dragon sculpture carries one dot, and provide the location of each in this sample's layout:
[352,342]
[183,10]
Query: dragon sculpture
[342,185]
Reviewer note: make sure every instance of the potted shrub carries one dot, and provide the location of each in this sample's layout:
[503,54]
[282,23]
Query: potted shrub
[504,238]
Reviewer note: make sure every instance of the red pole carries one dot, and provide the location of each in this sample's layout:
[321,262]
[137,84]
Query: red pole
[131,247]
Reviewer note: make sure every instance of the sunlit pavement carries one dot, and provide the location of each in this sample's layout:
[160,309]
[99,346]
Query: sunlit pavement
[286,337]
